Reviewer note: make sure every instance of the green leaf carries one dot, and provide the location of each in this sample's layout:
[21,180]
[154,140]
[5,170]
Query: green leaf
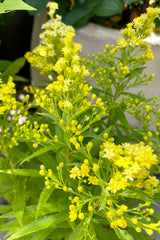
[10,5]
[9,225]
[49,115]
[103,200]
[78,232]
[136,96]
[44,196]
[122,118]
[137,194]
[21,172]
[80,14]
[38,4]
[75,15]
[41,151]
[48,208]
[13,68]
[18,203]
[42,235]
[17,78]
[105,233]
[123,234]
[92,135]
[108,8]
[4,64]
[40,224]
[4,208]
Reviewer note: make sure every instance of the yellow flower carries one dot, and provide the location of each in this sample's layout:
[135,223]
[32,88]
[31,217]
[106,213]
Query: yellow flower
[122,223]
[95,167]
[113,224]
[81,216]
[71,207]
[120,212]
[149,231]
[84,172]
[134,221]
[73,215]
[109,202]
[93,180]
[118,182]
[80,189]
[76,199]
[110,215]
[75,172]
[90,208]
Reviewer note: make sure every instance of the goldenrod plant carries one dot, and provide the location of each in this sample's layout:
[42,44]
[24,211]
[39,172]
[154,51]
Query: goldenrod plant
[120,68]
[70,169]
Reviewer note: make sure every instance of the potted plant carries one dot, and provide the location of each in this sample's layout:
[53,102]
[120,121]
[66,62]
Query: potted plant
[72,167]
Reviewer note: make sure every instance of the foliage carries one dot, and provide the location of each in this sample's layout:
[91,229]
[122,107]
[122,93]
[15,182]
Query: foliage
[72,167]
[114,14]
[9,5]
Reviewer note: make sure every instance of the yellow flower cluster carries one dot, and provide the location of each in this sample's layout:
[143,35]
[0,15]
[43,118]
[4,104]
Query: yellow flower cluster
[67,97]
[142,26]
[7,96]
[75,210]
[46,54]
[138,217]
[119,170]
[14,111]
[33,132]
[84,171]
[131,164]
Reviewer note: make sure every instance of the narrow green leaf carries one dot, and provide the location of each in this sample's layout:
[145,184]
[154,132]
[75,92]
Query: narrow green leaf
[78,233]
[40,224]
[49,115]
[42,235]
[105,233]
[137,194]
[18,78]
[30,210]
[136,96]
[18,203]
[92,135]
[9,225]
[48,208]
[10,5]
[103,200]
[21,172]
[4,208]
[122,118]
[4,64]
[44,196]
[123,234]
[53,147]
[13,68]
